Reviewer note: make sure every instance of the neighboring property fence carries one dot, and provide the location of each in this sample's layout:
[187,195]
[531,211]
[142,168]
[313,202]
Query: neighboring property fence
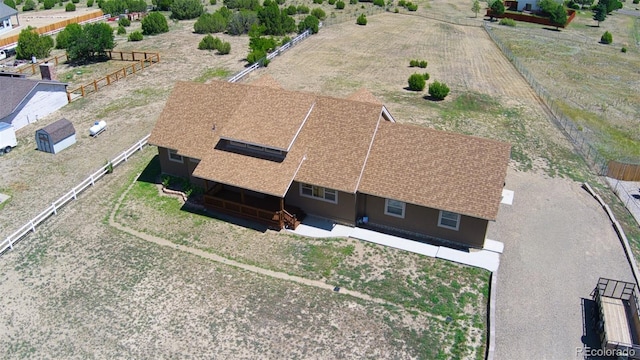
[30,226]
[35,67]
[622,171]
[143,61]
[54,28]
[270,56]
[574,133]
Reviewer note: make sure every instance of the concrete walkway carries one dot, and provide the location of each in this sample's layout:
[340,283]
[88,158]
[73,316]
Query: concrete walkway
[487,258]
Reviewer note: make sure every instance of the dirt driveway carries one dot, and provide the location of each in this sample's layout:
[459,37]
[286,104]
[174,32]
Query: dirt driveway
[558,242]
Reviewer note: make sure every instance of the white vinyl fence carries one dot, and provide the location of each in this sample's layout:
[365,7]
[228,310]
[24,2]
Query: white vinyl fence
[71,195]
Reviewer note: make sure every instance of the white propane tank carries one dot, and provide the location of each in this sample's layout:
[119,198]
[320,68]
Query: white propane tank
[97,128]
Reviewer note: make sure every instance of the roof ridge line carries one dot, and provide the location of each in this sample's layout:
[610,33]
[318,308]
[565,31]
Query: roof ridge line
[366,158]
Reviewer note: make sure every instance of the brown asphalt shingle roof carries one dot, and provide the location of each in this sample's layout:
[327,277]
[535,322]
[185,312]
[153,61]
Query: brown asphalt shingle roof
[437,169]
[364,95]
[59,130]
[343,145]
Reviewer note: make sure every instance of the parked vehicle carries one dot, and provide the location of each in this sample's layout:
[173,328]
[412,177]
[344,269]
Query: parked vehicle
[618,318]
[7,138]
[5,53]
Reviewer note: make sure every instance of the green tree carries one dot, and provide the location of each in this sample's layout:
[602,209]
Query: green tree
[124,22]
[31,44]
[606,38]
[275,20]
[70,7]
[340,5]
[29,5]
[209,43]
[11,4]
[186,9]
[68,35]
[611,5]
[95,40]
[310,22]
[558,16]
[416,82]
[136,36]
[154,23]
[241,22]
[600,13]
[362,20]
[476,7]
[49,4]
[497,9]
[162,5]
[319,13]
[210,23]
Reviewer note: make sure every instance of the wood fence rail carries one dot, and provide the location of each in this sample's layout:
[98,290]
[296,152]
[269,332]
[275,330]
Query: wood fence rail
[143,61]
[622,171]
[31,225]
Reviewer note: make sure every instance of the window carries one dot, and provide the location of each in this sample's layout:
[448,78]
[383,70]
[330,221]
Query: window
[237,144]
[173,156]
[394,208]
[449,220]
[318,192]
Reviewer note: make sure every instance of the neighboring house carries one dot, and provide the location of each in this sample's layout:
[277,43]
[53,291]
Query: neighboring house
[272,155]
[6,12]
[24,101]
[56,136]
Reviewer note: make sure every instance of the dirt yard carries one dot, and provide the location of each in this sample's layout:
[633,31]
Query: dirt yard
[81,288]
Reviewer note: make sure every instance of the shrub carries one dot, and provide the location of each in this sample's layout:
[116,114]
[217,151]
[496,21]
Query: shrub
[426,76]
[606,38]
[318,1]
[186,9]
[154,23]
[210,23]
[636,1]
[136,36]
[11,4]
[507,22]
[70,7]
[255,56]
[413,63]
[332,2]
[224,48]
[310,22]
[124,22]
[242,21]
[362,20]
[353,2]
[89,3]
[378,3]
[574,6]
[29,5]
[416,82]
[412,7]
[121,30]
[438,90]
[49,4]
[70,34]
[213,2]
[209,43]
[292,10]
[319,13]
[624,49]
[303,9]
[402,3]
[30,43]
[75,1]
[340,5]
[422,64]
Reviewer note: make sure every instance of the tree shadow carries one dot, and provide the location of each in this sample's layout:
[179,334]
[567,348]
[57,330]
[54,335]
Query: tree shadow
[551,29]
[90,61]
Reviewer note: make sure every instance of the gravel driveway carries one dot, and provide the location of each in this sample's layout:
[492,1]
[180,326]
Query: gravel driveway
[558,242]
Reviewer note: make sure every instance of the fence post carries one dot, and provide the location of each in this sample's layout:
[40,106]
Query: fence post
[10,243]
[125,156]
[55,211]
[33,227]
[140,145]
[75,196]
[92,181]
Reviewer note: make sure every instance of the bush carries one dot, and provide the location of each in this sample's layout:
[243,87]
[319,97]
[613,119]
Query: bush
[70,7]
[624,49]
[224,48]
[292,10]
[213,2]
[310,22]
[426,76]
[89,3]
[418,63]
[340,5]
[318,1]
[154,23]
[242,21]
[186,9]
[416,82]
[332,2]
[319,13]
[378,3]
[75,1]
[124,22]
[303,9]
[606,38]
[507,22]
[209,43]
[353,2]
[636,1]
[136,36]
[11,4]
[68,35]
[121,30]
[49,4]
[438,90]
[30,43]
[412,7]
[362,20]
[210,23]
[29,5]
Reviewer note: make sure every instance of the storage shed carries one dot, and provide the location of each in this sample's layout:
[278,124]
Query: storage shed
[55,137]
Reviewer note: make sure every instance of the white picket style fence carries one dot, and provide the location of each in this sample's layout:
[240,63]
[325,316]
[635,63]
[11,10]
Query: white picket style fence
[30,226]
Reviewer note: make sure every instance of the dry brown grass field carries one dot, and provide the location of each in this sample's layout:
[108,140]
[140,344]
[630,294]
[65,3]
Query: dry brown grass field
[81,288]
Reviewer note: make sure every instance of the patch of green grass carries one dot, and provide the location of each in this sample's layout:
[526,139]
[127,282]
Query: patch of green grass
[209,73]
[323,258]
[140,97]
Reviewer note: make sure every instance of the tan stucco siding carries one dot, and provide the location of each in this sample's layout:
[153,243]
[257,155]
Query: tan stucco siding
[342,212]
[423,220]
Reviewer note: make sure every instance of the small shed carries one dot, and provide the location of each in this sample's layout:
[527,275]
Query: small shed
[55,137]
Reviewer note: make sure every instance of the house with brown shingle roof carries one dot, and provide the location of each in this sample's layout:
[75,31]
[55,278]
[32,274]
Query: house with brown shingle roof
[273,155]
